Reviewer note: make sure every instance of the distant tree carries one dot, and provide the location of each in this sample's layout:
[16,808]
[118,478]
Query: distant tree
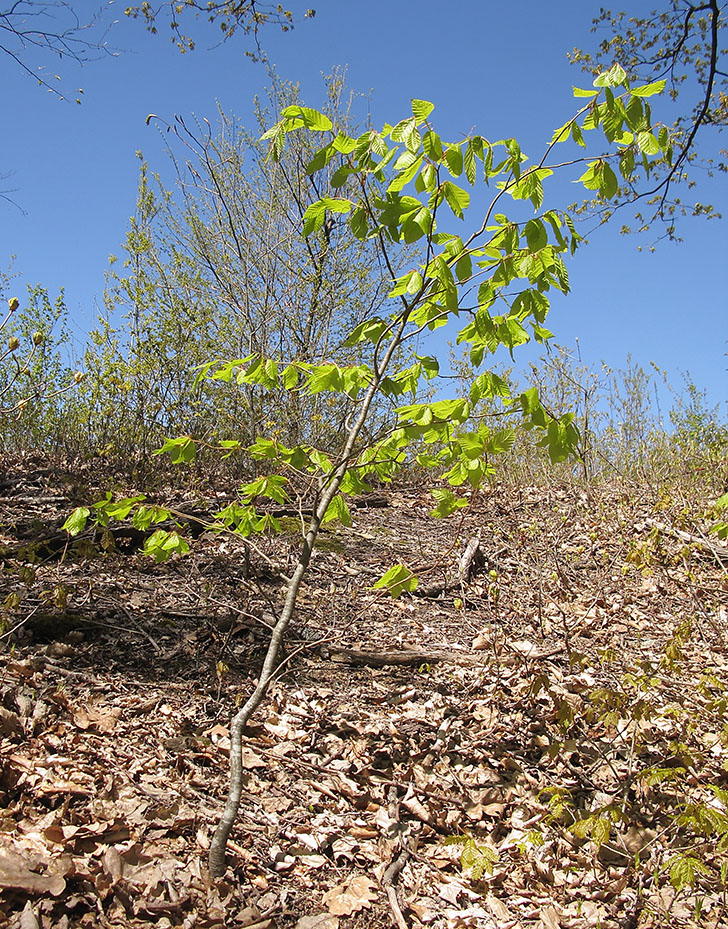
[218,269]
[32,31]
[231,16]
[682,42]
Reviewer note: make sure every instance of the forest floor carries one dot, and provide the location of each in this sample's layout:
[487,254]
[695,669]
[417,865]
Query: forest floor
[539,741]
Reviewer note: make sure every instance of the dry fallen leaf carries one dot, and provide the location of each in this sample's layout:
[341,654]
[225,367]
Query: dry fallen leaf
[318,921]
[100,718]
[549,917]
[351,896]
[27,917]
[16,874]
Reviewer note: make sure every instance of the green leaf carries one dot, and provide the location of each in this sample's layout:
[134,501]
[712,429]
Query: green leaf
[337,509]
[307,117]
[457,198]
[400,180]
[591,178]
[146,515]
[314,217]
[371,330]
[648,90]
[536,234]
[76,522]
[162,544]
[289,377]
[454,160]
[469,162]
[338,204]
[447,502]
[181,450]
[580,92]
[270,486]
[647,143]
[397,580]
[359,224]
[464,267]
[489,384]
[601,830]
[609,185]
[626,163]
[320,159]
[684,870]
[422,109]
[615,76]
[432,145]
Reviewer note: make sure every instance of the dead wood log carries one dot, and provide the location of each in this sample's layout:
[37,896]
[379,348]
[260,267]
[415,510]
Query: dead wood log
[716,551]
[408,656]
[471,561]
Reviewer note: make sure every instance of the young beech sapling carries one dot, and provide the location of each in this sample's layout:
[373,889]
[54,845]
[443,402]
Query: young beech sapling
[491,282]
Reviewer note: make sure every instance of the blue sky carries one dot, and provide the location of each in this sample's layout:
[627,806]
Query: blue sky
[498,69]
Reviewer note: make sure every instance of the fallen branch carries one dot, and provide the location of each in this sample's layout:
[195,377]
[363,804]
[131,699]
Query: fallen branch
[388,879]
[408,656]
[717,551]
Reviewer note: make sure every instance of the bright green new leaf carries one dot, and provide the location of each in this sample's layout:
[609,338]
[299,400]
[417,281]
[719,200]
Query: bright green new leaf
[580,92]
[371,330]
[146,515]
[320,159]
[464,267]
[181,449]
[397,580]
[615,76]
[76,522]
[320,461]
[338,509]
[591,178]
[457,198]
[447,502]
[314,217]
[454,160]
[344,143]
[162,544]
[422,109]
[359,224]
[721,503]
[609,185]
[536,234]
[647,143]
[577,135]
[488,384]
[305,116]
[626,164]
[271,486]
[414,285]
[501,441]
[469,162]
[684,870]
[648,90]
[325,377]
[400,180]
[430,366]
[432,145]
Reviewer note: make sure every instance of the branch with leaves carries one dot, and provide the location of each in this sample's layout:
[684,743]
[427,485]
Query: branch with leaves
[680,43]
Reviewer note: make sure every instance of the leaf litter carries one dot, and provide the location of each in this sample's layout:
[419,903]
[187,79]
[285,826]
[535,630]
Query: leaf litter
[454,791]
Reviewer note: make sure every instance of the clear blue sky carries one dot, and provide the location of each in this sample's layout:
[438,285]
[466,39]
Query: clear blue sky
[500,69]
